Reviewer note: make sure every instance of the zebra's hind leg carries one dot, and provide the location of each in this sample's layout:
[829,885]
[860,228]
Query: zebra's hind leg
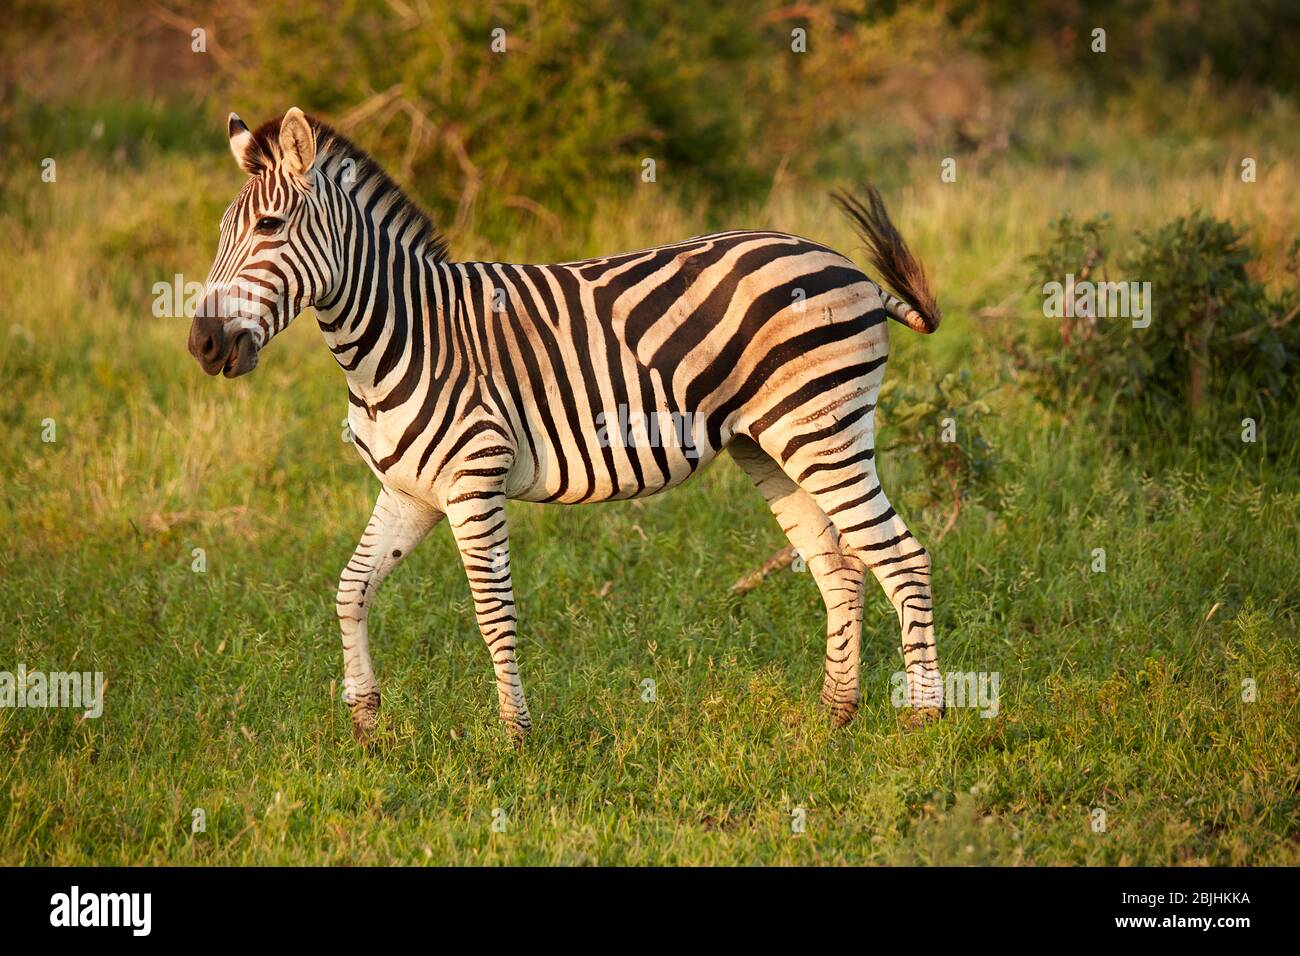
[478,520]
[902,566]
[396,526]
[839,574]
[836,467]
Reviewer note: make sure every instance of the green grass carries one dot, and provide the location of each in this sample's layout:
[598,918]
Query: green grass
[1120,691]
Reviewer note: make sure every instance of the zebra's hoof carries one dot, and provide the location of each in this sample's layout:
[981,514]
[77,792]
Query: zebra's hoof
[914,718]
[842,713]
[516,730]
[365,717]
[842,718]
[842,701]
[362,731]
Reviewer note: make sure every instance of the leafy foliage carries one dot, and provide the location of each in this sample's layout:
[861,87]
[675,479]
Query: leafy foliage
[1220,345]
[1219,333]
[943,424]
[539,106]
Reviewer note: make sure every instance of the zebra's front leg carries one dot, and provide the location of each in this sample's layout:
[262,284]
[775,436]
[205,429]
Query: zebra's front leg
[478,521]
[396,526]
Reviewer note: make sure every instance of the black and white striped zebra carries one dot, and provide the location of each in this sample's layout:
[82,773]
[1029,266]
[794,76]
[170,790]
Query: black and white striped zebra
[473,382]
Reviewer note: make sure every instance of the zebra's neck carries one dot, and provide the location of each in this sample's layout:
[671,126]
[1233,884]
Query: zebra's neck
[386,319]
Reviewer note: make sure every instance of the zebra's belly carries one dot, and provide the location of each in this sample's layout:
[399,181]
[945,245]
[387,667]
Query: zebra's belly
[627,456]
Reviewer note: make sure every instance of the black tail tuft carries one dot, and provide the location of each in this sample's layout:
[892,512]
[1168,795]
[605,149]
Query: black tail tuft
[893,261]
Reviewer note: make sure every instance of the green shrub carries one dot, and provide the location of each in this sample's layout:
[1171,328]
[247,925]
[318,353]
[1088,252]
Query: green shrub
[1219,346]
[943,425]
[581,95]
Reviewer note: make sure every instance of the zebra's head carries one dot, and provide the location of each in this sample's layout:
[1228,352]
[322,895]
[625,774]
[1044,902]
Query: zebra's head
[275,257]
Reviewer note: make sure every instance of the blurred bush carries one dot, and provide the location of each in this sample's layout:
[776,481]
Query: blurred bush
[716,94]
[943,425]
[568,100]
[1220,345]
[1236,42]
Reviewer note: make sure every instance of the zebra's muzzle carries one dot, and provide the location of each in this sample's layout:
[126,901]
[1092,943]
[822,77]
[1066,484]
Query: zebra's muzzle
[242,357]
[231,356]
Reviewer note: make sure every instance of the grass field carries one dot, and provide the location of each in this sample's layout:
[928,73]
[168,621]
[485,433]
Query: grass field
[1120,691]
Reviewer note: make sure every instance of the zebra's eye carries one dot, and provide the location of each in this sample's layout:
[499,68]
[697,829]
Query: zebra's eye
[269,224]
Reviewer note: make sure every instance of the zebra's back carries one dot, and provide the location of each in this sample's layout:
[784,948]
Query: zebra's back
[621,376]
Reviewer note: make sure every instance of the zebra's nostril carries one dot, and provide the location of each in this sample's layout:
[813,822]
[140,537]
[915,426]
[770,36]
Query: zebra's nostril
[209,348]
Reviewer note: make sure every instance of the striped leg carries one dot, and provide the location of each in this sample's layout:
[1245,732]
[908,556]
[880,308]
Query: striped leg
[837,468]
[839,574]
[397,525]
[902,566]
[478,520]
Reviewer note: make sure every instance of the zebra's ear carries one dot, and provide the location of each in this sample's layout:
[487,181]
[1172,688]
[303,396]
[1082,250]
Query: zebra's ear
[241,142]
[297,143]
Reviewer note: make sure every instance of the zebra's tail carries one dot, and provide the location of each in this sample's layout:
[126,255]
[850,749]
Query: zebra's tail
[913,303]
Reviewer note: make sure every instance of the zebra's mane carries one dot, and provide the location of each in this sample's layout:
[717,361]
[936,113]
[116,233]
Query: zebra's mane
[333,148]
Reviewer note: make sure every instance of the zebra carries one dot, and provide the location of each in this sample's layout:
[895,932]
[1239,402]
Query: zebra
[470,383]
